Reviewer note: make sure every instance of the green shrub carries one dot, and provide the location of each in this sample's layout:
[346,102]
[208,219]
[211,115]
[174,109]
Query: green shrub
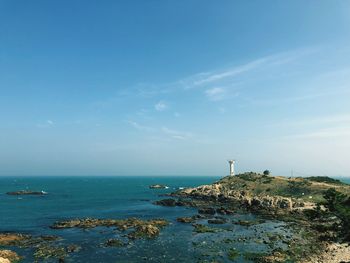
[339,205]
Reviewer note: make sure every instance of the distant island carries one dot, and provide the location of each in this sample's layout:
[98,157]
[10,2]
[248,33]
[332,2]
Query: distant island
[27,192]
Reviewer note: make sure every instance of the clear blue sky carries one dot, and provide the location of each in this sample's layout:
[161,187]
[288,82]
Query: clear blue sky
[174,87]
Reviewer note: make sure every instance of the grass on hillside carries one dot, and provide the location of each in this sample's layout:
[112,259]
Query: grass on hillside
[308,189]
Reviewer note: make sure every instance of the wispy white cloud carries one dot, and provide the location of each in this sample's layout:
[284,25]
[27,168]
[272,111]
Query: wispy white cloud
[179,135]
[206,78]
[229,74]
[216,93]
[141,127]
[161,106]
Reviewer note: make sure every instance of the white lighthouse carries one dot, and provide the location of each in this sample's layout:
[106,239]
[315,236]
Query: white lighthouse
[232,167]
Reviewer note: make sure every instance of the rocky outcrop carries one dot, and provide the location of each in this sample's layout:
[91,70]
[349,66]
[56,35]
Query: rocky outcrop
[8,256]
[141,228]
[43,245]
[224,194]
[13,239]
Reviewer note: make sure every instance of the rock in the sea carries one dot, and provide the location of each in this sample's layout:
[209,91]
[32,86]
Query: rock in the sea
[8,256]
[207,210]
[158,186]
[114,243]
[27,192]
[185,219]
[217,221]
[174,202]
[166,202]
[224,211]
[144,231]
[46,251]
[141,228]
[13,239]
[73,248]
[199,228]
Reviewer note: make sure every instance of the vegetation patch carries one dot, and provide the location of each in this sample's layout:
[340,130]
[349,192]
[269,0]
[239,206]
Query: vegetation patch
[325,179]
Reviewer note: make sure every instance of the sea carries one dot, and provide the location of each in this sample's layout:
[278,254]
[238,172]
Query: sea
[122,197]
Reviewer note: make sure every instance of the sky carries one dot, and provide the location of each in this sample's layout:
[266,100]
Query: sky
[165,87]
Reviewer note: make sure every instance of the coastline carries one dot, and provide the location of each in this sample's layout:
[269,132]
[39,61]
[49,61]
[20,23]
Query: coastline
[219,223]
[225,193]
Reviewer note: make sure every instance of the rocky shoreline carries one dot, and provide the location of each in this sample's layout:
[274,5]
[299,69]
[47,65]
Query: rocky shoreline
[290,222]
[294,200]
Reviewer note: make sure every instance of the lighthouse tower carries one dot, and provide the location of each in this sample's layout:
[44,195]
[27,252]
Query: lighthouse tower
[232,167]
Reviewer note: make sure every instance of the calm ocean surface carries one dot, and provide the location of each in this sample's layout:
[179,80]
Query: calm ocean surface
[106,197]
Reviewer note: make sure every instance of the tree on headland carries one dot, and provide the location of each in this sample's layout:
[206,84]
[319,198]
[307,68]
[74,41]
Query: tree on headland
[266,172]
[339,205]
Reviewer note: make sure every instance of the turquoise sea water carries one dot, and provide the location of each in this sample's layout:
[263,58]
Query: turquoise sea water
[115,197]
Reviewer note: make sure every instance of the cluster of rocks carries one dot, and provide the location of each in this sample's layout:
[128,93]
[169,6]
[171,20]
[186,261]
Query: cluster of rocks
[141,228]
[220,193]
[44,247]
